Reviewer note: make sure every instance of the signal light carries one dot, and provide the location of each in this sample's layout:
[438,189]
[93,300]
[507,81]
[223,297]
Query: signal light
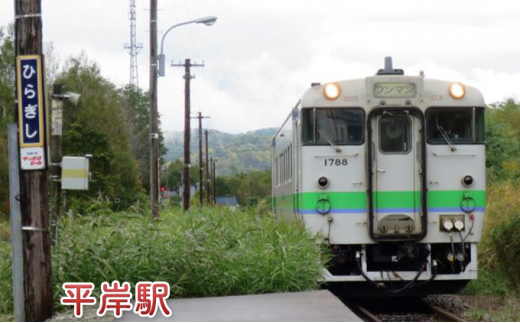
[163,188]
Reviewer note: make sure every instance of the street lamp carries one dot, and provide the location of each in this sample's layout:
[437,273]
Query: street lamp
[208,21]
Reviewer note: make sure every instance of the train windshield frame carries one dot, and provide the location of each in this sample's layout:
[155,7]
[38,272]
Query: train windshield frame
[342,126]
[454,125]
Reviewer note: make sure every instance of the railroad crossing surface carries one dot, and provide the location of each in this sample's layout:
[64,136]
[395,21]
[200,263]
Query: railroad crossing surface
[285,307]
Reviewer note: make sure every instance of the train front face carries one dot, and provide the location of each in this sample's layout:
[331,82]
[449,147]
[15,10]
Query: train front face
[393,178]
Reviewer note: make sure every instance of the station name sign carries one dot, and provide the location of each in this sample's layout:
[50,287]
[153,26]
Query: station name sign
[31,112]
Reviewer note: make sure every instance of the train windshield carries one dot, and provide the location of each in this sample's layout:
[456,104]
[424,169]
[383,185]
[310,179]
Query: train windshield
[342,126]
[455,125]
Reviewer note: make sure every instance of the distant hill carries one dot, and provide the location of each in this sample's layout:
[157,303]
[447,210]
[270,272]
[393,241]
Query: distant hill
[236,153]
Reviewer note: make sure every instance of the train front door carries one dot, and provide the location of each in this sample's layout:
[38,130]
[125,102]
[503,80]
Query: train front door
[396,204]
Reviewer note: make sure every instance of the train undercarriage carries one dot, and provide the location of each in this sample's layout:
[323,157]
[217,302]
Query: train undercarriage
[400,269]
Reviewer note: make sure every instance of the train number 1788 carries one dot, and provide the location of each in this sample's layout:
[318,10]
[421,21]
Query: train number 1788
[336,162]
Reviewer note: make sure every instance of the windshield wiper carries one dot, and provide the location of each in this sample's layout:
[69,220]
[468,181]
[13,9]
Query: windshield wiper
[446,137]
[338,150]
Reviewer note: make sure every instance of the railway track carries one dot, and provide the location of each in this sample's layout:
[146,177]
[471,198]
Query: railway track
[401,310]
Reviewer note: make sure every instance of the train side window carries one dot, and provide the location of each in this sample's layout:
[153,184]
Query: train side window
[459,125]
[395,135]
[282,164]
[343,126]
[275,171]
[308,126]
[290,162]
[283,167]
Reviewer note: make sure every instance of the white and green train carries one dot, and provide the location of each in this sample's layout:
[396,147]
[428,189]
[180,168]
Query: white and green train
[390,171]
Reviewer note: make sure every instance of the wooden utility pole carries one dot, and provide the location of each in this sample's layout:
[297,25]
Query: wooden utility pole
[214,174]
[33,187]
[210,180]
[187,131]
[201,165]
[56,150]
[154,118]
[207,171]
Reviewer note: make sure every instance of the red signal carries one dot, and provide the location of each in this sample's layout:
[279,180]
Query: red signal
[163,189]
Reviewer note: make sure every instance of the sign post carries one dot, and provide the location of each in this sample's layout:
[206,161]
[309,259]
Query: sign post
[31,112]
[33,195]
[16,224]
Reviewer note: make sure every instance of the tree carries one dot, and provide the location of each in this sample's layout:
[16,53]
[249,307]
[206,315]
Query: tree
[97,126]
[248,188]
[503,141]
[136,104]
[7,95]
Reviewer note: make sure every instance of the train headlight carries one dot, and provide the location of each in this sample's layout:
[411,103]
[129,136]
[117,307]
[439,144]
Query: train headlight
[457,90]
[331,91]
[448,225]
[459,225]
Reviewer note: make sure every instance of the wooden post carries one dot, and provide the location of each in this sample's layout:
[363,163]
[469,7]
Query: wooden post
[207,171]
[201,166]
[154,123]
[56,152]
[214,174]
[33,187]
[187,131]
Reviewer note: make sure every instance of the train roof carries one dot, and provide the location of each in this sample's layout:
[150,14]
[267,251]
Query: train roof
[360,93]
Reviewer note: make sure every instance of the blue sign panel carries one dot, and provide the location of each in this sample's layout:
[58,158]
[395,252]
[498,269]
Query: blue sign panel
[30,101]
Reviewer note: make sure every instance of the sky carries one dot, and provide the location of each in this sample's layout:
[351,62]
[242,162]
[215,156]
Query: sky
[260,56]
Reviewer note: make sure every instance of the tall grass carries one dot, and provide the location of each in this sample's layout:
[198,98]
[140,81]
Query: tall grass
[205,252]
[499,251]
[6,283]
[503,210]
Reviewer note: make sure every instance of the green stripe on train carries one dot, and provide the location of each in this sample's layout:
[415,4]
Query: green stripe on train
[391,199]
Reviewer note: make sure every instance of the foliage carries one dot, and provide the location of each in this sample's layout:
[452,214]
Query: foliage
[206,252]
[504,236]
[501,240]
[172,176]
[136,105]
[489,282]
[110,123]
[97,126]
[7,94]
[503,141]
[249,188]
[6,282]
[236,153]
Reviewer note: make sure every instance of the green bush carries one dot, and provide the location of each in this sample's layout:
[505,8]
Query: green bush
[500,246]
[204,252]
[489,282]
[505,240]
[6,283]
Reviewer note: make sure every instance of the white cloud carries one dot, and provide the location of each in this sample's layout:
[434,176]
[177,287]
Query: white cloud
[261,55]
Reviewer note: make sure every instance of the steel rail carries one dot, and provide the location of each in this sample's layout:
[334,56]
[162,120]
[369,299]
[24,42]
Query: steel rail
[367,313]
[445,314]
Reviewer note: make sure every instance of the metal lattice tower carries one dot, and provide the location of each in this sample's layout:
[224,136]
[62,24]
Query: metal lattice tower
[133,48]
